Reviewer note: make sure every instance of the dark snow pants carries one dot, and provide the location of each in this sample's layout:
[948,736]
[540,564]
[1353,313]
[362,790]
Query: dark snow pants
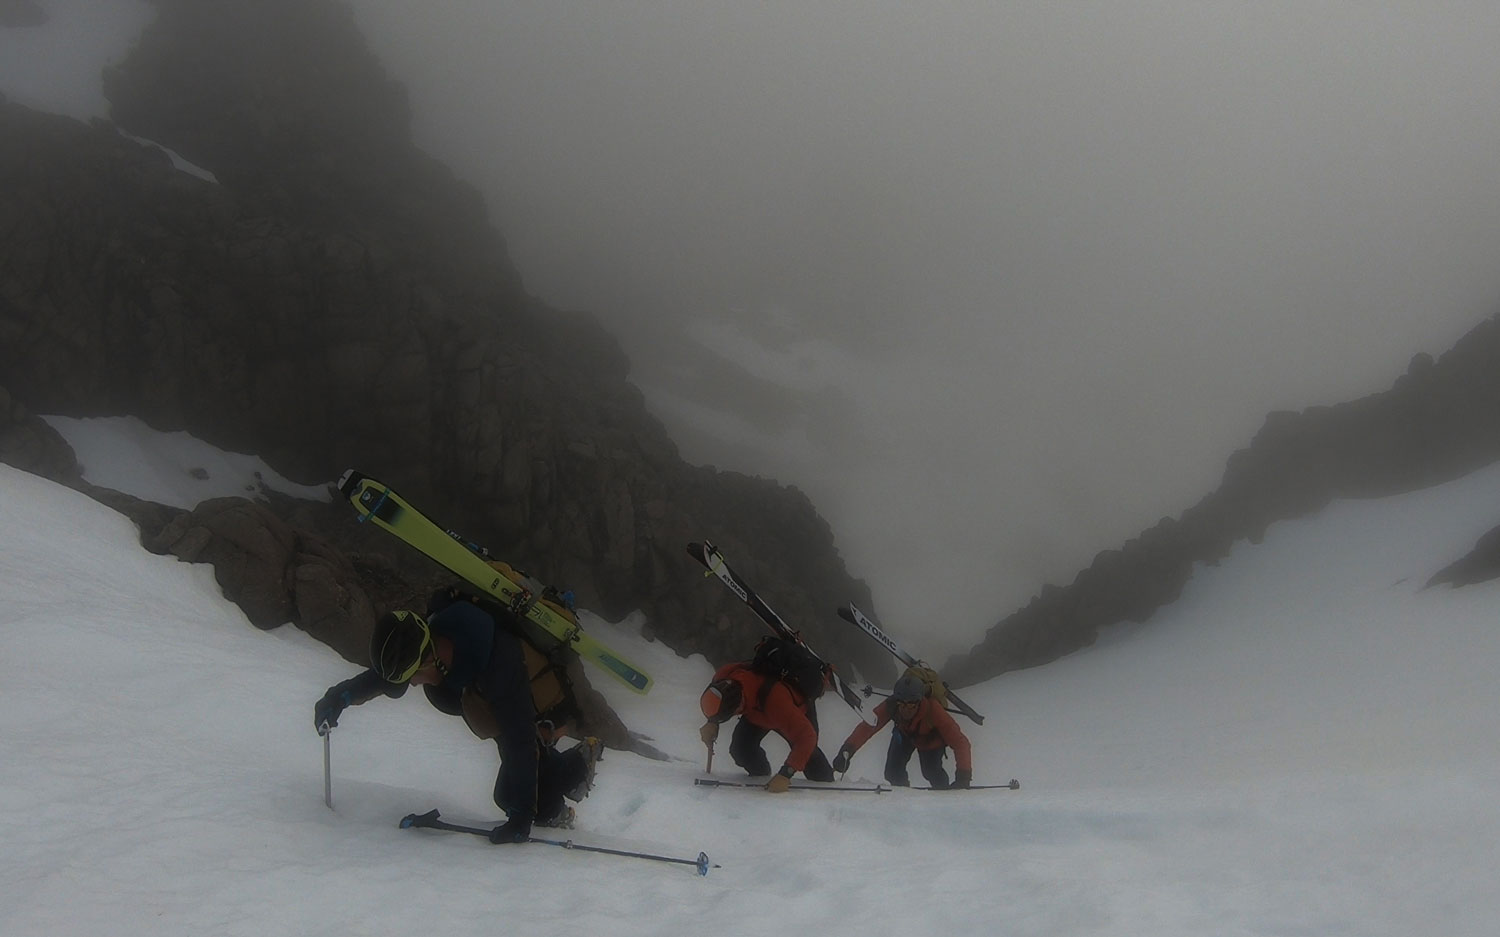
[747,751]
[899,755]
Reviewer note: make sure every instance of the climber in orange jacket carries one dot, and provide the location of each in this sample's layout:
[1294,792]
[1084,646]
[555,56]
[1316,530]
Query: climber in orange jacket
[921,725]
[764,705]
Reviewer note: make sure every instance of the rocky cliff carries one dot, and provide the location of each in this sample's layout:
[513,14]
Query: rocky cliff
[337,299]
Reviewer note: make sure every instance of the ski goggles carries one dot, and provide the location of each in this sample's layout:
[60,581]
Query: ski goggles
[423,647]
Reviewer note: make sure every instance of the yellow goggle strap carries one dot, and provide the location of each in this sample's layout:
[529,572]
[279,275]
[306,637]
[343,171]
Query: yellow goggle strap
[416,663]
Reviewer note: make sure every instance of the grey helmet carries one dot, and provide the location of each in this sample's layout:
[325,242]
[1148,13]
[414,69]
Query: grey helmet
[909,689]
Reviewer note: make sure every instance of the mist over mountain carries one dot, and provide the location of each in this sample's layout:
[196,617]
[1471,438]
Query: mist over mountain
[1438,422]
[325,292]
[996,284]
[1269,711]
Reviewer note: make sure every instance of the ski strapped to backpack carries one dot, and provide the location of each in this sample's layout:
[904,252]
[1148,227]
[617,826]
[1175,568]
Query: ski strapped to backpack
[527,599]
[791,663]
[712,560]
[926,674]
[869,691]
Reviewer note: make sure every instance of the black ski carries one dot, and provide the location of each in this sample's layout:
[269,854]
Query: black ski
[1014,785]
[869,691]
[712,560]
[858,618]
[431,821]
[845,788]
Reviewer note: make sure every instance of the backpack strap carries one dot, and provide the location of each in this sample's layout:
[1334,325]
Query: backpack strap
[552,692]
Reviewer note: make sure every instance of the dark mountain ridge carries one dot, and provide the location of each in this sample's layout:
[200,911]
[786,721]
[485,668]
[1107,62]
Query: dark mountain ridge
[1438,422]
[338,299]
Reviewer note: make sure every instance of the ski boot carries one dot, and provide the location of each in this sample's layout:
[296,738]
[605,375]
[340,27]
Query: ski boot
[564,820]
[592,750]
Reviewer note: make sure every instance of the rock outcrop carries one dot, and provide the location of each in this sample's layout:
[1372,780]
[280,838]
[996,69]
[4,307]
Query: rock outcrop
[337,299]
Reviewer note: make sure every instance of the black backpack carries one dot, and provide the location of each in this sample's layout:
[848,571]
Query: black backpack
[781,659]
[552,692]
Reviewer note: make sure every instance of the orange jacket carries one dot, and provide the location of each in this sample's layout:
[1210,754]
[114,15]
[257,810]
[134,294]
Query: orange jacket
[784,712]
[930,728]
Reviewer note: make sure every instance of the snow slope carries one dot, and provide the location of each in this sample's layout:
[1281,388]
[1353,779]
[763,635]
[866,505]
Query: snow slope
[175,469]
[1304,744]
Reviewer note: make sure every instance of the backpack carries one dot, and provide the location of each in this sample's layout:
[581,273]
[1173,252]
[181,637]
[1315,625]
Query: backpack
[546,656]
[552,692]
[786,660]
[936,688]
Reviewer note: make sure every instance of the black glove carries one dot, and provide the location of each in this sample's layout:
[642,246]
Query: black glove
[515,830]
[961,780]
[841,760]
[328,709]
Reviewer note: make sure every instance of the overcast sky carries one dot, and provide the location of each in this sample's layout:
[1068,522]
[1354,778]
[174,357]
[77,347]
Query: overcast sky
[1033,270]
[999,285]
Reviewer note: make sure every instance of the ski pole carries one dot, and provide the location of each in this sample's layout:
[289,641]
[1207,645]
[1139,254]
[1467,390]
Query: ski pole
[1014,785]
[326,731]
[431,821]
[715,782]
[701,863]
